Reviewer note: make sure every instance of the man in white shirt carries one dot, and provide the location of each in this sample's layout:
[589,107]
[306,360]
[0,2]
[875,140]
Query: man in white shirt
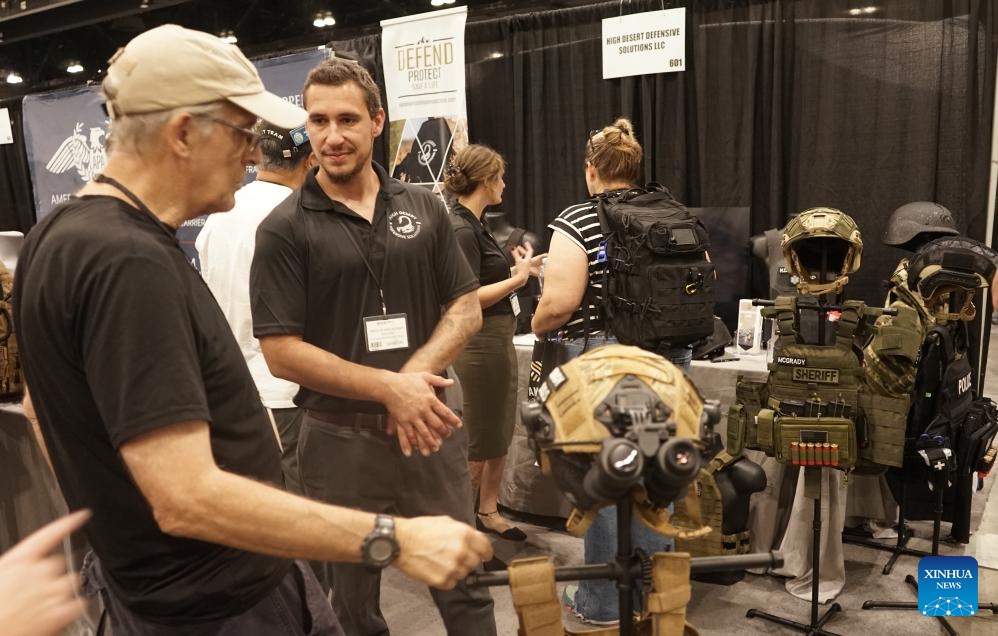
[225,246]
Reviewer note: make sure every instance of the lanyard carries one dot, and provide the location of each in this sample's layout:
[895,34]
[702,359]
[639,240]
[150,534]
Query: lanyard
[102,178]
[367,263]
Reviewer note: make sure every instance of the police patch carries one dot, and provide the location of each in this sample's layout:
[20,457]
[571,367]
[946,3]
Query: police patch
[820,376]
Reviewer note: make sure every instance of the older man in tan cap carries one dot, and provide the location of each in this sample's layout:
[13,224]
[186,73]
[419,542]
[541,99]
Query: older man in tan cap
[145,403]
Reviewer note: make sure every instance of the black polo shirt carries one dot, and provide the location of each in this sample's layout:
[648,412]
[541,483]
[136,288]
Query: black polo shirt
[318,267]
[483,253]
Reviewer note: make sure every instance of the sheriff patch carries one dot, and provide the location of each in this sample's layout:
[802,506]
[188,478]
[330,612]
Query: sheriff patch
[820,376]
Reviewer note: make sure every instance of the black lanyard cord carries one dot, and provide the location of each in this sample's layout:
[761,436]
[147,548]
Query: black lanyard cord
[367,263]
[102,178]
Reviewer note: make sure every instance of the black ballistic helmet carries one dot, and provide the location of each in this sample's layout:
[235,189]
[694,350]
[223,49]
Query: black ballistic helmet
[946,273]
[914,223]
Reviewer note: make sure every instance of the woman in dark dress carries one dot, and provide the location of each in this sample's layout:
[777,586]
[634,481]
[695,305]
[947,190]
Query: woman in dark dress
[487,366]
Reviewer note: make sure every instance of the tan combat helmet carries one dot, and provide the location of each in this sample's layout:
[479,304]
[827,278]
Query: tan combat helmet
[819,233]
[621,422]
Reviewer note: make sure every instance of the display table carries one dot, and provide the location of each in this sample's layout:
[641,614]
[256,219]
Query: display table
[525,489]
[716,380]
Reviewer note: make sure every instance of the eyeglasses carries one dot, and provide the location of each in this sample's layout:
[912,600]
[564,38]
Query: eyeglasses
[251,137]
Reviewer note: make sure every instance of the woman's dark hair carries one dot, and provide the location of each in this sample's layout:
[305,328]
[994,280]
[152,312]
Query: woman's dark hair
[472,165]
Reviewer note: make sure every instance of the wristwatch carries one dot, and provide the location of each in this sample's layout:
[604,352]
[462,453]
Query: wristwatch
[380,547]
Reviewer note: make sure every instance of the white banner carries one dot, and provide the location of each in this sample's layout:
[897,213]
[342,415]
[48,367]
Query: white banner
[6,134]
[425,89]
[644,43]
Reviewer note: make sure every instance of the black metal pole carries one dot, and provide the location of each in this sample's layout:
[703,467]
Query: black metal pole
[815,549]
[625,582]
[698,565]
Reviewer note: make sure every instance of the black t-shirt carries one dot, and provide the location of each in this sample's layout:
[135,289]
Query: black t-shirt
[318,267]
[119,336]
[482,251]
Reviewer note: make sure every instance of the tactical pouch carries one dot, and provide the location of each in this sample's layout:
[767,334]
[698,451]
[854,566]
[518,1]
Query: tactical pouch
[736,430]
[886,419]
[838,432]
[751,396]
[980,427]
[764,426]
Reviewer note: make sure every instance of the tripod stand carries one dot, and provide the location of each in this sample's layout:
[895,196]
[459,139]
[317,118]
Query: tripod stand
[904,535]
[938,484]
[812,490]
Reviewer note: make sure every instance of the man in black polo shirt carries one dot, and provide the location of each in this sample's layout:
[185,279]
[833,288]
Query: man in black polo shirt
[361,296]
[144,401]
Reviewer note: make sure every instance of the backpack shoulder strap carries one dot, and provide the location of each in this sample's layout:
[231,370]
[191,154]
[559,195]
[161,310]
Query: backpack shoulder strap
[784,308]
[601,203]
[849,319]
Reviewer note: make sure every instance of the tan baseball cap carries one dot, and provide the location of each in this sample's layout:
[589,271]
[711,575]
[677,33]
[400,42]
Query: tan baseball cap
[171,67]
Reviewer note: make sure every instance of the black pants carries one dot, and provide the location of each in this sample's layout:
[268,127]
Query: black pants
[296,607]
[288,423]
[364,469]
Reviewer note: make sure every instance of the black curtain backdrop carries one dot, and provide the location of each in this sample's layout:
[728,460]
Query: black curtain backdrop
[17,203]
[784,105]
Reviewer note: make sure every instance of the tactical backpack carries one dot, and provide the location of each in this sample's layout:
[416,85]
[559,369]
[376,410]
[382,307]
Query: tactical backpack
[11,382]
[658,284]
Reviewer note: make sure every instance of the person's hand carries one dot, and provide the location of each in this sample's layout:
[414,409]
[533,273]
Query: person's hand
[416,415]
[439,551]
[535,261]
[38,595]
[522,261]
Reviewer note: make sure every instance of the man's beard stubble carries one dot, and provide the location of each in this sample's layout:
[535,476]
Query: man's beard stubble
[341,178]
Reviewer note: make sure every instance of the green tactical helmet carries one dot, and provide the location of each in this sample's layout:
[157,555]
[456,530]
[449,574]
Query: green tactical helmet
[818,231]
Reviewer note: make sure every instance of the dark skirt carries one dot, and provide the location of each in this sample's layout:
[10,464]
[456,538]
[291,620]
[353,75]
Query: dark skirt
[487,370]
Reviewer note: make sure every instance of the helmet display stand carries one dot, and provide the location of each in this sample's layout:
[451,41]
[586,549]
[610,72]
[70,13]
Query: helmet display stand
[812,490]
[938,480]
[620,426]
[631,567]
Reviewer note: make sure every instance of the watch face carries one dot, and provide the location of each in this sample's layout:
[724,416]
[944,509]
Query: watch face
[381,549]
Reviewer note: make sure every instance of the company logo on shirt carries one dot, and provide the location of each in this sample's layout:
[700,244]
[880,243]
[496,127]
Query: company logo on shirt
[947,586]
[404,225]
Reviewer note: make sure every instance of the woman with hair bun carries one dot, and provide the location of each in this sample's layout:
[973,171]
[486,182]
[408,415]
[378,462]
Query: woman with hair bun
[487,366]
[570,312]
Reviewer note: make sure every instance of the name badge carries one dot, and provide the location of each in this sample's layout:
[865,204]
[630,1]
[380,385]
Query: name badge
[386,333]
[515,301]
